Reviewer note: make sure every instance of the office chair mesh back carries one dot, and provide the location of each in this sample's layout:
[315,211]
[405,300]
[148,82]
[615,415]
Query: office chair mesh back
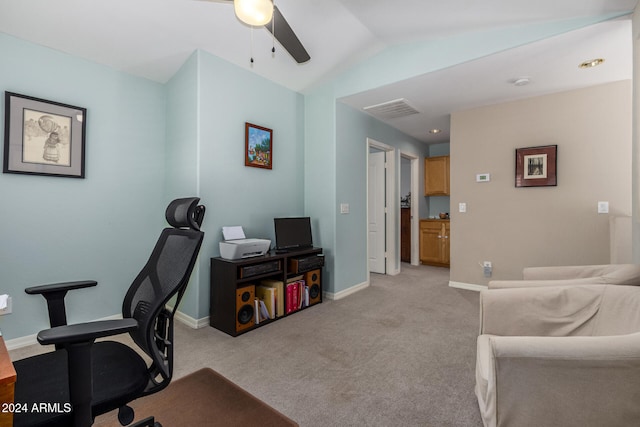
[117,373]
[165,274]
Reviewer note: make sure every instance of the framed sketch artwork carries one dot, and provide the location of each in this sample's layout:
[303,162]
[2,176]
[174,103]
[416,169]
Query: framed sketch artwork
[258,143]
[536,166]
[43,137]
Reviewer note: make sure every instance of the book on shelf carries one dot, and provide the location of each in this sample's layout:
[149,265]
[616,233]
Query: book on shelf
[263,313]
[297,294]
[268,296]
[278,285]
[256,311]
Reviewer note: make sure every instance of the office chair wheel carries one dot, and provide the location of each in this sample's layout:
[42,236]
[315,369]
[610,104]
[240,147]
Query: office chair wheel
[125,415]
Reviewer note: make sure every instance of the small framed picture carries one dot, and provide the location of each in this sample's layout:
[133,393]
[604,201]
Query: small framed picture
[43,137]
[258,142]
[536,166]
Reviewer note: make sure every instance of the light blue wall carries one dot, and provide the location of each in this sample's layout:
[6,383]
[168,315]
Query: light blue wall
[216,98]
[102,227]
[182,153]
[353,127]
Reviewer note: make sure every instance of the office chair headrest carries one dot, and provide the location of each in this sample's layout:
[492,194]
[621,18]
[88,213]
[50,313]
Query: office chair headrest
[185,212]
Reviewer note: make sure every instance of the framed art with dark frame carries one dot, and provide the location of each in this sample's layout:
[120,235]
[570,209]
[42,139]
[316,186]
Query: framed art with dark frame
[43,137]
[537,166]
[258,142]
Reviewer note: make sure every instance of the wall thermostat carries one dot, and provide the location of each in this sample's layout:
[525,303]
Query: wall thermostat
[483,177]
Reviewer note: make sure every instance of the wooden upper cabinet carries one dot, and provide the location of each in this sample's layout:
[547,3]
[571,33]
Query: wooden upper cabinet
[436,176]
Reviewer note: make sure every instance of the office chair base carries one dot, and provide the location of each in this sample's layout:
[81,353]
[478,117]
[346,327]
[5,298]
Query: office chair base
[126,416]
[147,422]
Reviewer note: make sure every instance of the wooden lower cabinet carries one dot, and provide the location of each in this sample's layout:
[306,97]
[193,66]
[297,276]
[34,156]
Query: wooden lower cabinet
[405,234]
[434,242]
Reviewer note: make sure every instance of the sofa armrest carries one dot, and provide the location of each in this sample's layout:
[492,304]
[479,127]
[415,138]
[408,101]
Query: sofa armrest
[615,274]
[544,311]
[564,380]
[564,272]
[502,284]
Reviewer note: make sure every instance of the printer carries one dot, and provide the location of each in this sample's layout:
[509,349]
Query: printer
[237,246]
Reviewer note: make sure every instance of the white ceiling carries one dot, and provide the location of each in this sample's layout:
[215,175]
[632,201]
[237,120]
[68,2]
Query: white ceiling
[153,38]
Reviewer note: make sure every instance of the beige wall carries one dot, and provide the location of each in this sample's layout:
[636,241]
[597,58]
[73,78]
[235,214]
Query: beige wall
[636,135]
[518,227]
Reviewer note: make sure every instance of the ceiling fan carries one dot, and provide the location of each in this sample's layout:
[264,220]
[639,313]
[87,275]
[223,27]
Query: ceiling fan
[265,13]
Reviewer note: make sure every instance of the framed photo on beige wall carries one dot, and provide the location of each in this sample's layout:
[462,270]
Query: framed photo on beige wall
[537,166]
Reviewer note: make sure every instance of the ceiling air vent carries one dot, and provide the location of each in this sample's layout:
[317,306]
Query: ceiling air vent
[392,109]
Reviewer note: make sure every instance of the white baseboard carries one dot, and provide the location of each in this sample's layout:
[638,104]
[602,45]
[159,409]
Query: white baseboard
[190,321]
[467,286]
[21,342]
[345,293]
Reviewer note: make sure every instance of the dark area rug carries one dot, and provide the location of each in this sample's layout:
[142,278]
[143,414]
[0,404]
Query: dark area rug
[203,398]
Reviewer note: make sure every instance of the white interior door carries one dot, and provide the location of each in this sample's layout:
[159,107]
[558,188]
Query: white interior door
[377,229]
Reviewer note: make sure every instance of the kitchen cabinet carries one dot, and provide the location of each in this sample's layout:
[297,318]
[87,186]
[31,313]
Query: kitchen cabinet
[435,242]
[436,176]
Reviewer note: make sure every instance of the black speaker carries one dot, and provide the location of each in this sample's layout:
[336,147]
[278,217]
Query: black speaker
[312,280]
[245,300]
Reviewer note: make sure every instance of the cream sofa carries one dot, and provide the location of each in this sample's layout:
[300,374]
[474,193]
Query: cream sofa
[608,274]
[559,356]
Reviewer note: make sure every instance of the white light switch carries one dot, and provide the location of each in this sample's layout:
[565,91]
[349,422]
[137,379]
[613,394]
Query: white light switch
[344,208]
[462,207]
[603,207]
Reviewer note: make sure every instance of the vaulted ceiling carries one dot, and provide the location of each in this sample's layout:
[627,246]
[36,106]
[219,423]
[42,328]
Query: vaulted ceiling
[153,38]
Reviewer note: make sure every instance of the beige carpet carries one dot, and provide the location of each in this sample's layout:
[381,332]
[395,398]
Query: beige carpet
[203,398]
[400,352]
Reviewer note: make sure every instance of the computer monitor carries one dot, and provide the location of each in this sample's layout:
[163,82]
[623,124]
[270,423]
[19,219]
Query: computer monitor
[293,233]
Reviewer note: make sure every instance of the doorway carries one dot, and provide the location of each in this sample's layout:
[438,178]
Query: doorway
[382,241]
[409,186]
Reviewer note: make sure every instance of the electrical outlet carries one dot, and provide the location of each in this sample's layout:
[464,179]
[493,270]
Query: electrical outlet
[603,207]
[7,309]
[487,268]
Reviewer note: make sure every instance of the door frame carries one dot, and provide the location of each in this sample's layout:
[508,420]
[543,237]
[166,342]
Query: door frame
[392,259]
[415,188]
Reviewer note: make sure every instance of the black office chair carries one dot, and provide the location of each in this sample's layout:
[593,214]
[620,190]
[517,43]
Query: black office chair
[82,378]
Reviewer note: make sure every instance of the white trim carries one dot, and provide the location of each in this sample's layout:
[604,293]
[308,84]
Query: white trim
[21,342]
[393,206]
[467,286]
[394,272]
[415,190]
[345,293]
[190,321]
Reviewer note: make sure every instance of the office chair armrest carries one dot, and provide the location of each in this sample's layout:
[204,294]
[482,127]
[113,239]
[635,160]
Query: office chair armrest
[57,287]
[54,294]
[86,332]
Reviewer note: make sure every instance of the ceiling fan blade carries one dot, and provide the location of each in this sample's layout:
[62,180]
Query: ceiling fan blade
[287,38]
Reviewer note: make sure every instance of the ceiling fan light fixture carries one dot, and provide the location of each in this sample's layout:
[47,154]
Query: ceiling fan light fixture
[254,12]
